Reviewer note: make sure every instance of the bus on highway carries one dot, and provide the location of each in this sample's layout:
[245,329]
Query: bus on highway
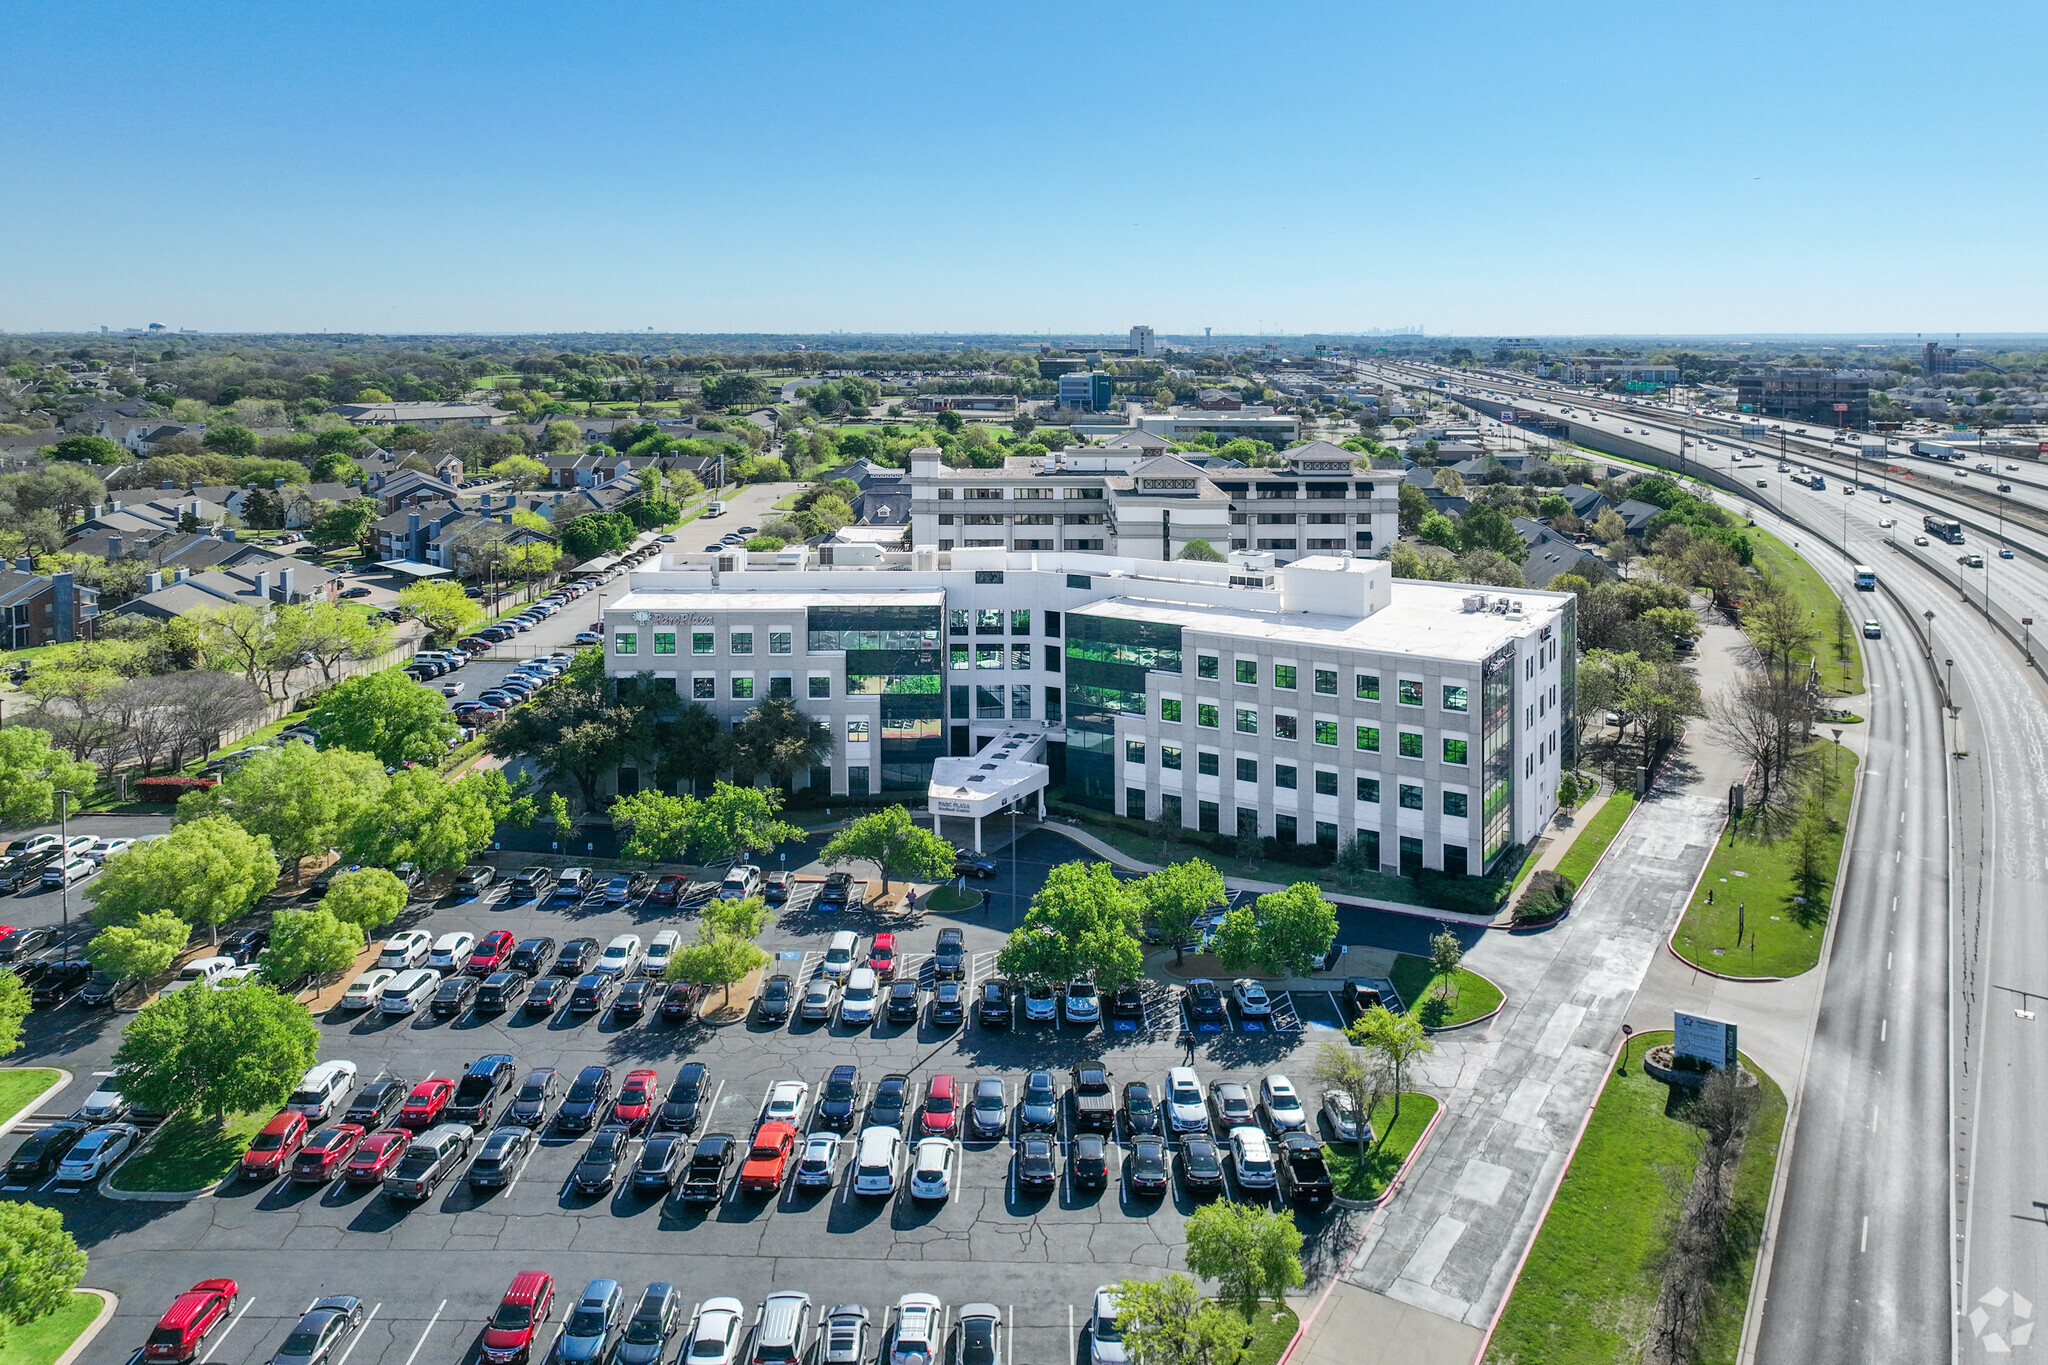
[1948,528]
[1866,577]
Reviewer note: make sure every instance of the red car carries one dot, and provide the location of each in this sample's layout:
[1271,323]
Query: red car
[526,1305]
[375,1156]
[668,889]
[882,956]
[490,953]
[424,1105]
[190,1318]
[636,1101]
[941,1116]
[768,1159]
[319,1159]
[271,1153]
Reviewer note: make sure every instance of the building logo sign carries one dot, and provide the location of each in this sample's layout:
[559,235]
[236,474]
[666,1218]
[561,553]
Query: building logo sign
[675,618]
[948,807]
[1710,1041]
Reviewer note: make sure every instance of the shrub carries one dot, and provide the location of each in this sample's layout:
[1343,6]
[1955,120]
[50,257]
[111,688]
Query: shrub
[165,791]
[1468,895]
[1547,895]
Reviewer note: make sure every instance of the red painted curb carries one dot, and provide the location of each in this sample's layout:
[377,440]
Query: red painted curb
[1724,976]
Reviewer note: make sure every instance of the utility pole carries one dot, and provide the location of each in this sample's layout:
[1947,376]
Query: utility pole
[64,861]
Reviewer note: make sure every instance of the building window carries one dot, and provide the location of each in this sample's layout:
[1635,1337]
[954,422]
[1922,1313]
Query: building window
[1020,658]
[1284,776]
[821,780]
[778,642]
[1206,715]
[1134,751]
[1020,701]
[1368,687]
[988,621]
[1411,744]
[960,703]
[856,729]
[1169,709]
[1248,671]
[1205,665]
[856,779]
[1169,757]
[1326,782]
[1080,580]
[1285,726]
[1052,623]
[664,642]
[1454,698]
[742,642]
[1326,834]
[1411,855]
[742,687]
[821,688]
[1283,676]
[956,657]
[1326,732]
[1411,693]
[956,621]
[1369,738]
[1206,817]
[704,689]
[1454,803]
[1369,789]
[1284,829]
[1326,681]
[988,575]
[1134,803]
[701,642]
[988,656]
[1052,705]
[988,702]
[1020,621]
[1411,796]
[1207,763]
[1052,658]
[1169,808]
[1247,770]
[1456,863]
[625,642]
[1247,821]
[778,687]
[1454,751]
[1247,721]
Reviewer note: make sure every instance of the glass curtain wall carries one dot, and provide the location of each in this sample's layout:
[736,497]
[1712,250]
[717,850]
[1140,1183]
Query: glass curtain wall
[1497,753]
[892,655]
[1106,663]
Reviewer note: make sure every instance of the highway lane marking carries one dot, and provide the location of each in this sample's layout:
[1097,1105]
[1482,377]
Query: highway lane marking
[1884,1027]
[1887,961]
[1864,1245]
[1873,1118]
[358,1336]
[225,1330]
[423,1335]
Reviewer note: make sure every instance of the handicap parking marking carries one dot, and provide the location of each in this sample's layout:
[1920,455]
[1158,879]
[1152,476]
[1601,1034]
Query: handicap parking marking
[1284,1018]
[1123,1025]
[1321,1003]
[1253,1025]
[981,967]
[919,967]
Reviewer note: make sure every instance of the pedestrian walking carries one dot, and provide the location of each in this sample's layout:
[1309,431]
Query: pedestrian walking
[988,900]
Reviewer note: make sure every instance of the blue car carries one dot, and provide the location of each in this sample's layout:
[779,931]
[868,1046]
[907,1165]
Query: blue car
[587,1337]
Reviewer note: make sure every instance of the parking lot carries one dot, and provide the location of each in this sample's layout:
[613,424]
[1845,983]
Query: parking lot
[833,1245]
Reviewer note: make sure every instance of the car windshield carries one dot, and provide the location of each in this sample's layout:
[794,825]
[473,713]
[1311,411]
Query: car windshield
[1038,1086]
[267,1142]
[583,1091]
[838,1088]
[604,1144]
[1106,1330]
[940,1104]
[512,1317]
[586,1322]
[644,1331]
[533,1090]
[1140,1102]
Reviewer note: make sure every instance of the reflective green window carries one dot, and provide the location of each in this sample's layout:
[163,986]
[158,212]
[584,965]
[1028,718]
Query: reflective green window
[1169,708]
[1326,732]
[1454,751]
[1283,676]
[1369,738]
[1205,715]
[1411,744]
[1368,687]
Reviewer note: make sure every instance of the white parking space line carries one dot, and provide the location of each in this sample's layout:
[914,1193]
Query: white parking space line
[368,1318]
[1284,1018]
[227,1329]
[1072,1345]
[712,1107]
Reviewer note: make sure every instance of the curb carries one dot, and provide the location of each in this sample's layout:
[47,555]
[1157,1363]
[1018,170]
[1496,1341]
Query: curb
[1394,1185]
[1485,1018]
[1709,971]
[109,1303]
[107,1191]
[64,1078]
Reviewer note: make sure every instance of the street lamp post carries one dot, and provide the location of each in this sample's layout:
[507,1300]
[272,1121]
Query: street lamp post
[64,860]
[2027,638]
[1950,690]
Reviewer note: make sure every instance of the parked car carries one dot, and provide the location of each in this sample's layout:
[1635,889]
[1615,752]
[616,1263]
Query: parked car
[451,952]
[679,1001]
[407,991]
[1141,1112]
[1087,1162]
[741,881]
[660,950]
[578,956]
[980,1328]
[839,955]
[610,1151]
[1280,1105]
[858,1003]
[491,953]
[621,958]
[431,1158]
[890,1102]
[817,1162]
[838,889]
[36,1159]
[532,1106]
[320,1331]
[881,958]
[452,997]
[1201,1165]
[1105,1337]
[422,1108]
[716,1333]
[547,993]
[711,1163]
[654,1320]
[1230,1106]
[768,1157]
[661,1161]
[821,996]
[1251,997]
[1303,1175]
[532,956]
[244,947]
[1035,1162]
[772,1005]
[189,1320]
[948,1009]
[473,880]
[1038,1104]
[500,991]
[1146,1167]
[589,1096]
[377,1103]
[1340,1114]
[202,971]
[319,1092]
[1204,1002]
[949,958]
[575,882]
[876,1162]
[684,1104]
[324,1154]
[634,1107]
[1041,1003]
[775,887]
[994,1005]
[988,1113]
[668,889]
[624,888]
[1251,1158]
[1079,1004]
[906,1002]
[376,1157]
[56,982]
[592,993]
[406,950]
[509,1336]
[586,1337]
[476,1094]
[97,1152]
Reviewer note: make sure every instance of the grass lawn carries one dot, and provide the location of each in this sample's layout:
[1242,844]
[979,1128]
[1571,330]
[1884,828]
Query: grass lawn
[43,1340]
[1782,936]
[20,1085]
[1592,841]
[1471,996]
[189,1153]
[946,900]
[1586,1295]
[1270,1331]
[1840,672]
[1369,1179]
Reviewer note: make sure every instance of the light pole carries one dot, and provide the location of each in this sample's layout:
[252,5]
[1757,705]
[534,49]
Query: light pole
[64,861]
[2027,638]
[1950,690]
[1928,642]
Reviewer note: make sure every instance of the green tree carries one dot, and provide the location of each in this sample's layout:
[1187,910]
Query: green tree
[1414,506]
[306,800]
[1438,529]
[596,533]
[328,633]
[1200,552]
[226,1052]
[307,943]
[442,607]
[64,489]
[14,1007]
[87,450]
[734,391]
[344,524]
[1394,1040]
[230,439]
[561,436]
[386,714]
[1488,528]
[744,918]
[739,821]
[660,827]
[686,748]
[1082,922]
[716,959]
[777,741]
[1169,1322]
[1343,1068]
[897,845]
[1284,933]
[32,772]
[521,471]
[1445,953]
[139,950]
[207,870]
[1252,1253]
[40,1264]
[1175,896]
[368,899]
[435,824]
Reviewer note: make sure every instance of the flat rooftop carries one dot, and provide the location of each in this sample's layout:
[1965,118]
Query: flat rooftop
[670,599]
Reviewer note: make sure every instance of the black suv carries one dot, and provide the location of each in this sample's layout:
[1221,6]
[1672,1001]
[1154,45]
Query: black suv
[589,1097]
[949,961]
[578,956]
[377,1103]
[903,1002]
[837,887]
[532,956]
[947,1008]
[476,1094]
[840,1099]
[684,1105]
[37,1158]
[594,990]
[995,1005]
[773,1003]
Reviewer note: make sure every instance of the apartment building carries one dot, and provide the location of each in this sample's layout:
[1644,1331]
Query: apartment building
[1307,703]
[1147,505]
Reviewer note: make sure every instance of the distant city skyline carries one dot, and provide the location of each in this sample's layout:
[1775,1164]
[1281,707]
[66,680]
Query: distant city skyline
[1743,170]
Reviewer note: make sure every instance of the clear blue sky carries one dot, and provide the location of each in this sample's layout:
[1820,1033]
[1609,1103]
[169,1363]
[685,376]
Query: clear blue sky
[1475,167]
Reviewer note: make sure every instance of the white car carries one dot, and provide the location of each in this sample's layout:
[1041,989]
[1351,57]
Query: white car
[920,1324]
[1080,1004]
[200,971]
[1105,1339]
[741,881]
[236,976]
[364,990]
[103,1105]
[715,1333]
[1185,1111]
[97,1152]
[1252,1000]
[931,1175]
[408,990]
[659,950]
[1041,1003]
[786,1101]
[874,1166]
[857,1006]
[402,952]
[818,1164]
[1252,1156]
[78,845]
[621,956]
[452,951]
[35,843]
[1282,1103]
[839,955]
[103,849]
[321,1090]
[1342,1115]
[69,870]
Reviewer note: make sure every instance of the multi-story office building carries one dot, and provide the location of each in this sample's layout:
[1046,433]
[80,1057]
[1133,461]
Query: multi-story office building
[1149,506]
[1086,390]
[1836,397]
[1143,342]
[1307,703]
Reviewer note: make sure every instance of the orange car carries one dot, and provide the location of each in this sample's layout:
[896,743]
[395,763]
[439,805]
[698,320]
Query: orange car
[768,1159]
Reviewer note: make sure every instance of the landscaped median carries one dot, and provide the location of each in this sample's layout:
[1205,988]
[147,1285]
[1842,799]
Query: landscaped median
[188,1155]
[1592,841]
[22,1086]
[1588,1294]
[1366,1180]
[1466,998]
[41,1342]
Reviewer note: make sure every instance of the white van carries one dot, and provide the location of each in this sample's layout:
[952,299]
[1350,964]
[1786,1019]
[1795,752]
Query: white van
[320,1090]
[838,962]
[874,1169]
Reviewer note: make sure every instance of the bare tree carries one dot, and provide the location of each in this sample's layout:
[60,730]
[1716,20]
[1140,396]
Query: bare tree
[205,706]
[1768,723]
